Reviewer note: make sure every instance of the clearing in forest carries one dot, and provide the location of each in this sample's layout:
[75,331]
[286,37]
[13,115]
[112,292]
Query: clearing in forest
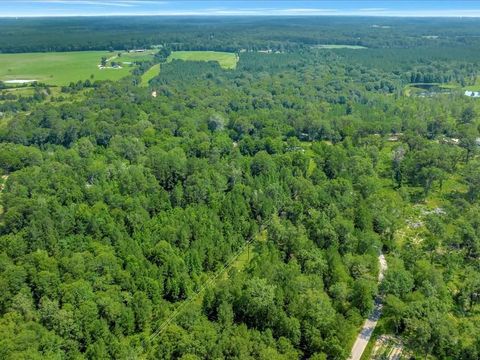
[61,68]
[339,46]
[475,86]
[225,59]
[150,74]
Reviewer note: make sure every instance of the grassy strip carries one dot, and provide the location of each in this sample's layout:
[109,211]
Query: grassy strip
[368,352]
[332,46]
[150,74]
[225,59]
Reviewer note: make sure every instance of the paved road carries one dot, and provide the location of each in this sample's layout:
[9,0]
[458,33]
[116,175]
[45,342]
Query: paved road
[371,322]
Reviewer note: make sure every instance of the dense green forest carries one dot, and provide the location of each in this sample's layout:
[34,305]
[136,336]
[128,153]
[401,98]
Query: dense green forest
[238,214]
[232,33]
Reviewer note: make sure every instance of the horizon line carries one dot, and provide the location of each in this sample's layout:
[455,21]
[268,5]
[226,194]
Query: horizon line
[473,16]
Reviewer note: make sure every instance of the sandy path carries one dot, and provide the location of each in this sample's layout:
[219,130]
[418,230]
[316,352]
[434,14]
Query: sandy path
[370,324]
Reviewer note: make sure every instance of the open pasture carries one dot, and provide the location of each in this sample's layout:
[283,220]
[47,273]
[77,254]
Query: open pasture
[339,46]
[61,68]
[225,59]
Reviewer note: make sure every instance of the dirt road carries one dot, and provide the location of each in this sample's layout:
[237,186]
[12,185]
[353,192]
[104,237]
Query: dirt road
[371,322]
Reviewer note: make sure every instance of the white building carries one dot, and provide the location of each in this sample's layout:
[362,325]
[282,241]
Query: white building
[474,94]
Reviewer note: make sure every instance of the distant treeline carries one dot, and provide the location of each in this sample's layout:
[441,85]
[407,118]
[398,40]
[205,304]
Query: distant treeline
[231,34]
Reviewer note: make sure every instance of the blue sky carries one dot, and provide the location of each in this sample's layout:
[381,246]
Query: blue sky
[9,8]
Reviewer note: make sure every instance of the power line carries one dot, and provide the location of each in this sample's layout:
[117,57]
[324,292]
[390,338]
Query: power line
[211,280]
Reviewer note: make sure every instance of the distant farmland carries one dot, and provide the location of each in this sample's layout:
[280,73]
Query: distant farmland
[333,47]
[61,68]
[225,59]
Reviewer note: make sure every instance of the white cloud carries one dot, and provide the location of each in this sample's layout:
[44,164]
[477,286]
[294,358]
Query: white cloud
[372,9]
[305,11]
[134,8]
[119,3]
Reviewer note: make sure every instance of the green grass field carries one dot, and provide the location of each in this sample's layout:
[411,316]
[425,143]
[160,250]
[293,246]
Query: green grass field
[61,68]
[225,59]
[132,57]
[150,74]
[475,87]
[332,46]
